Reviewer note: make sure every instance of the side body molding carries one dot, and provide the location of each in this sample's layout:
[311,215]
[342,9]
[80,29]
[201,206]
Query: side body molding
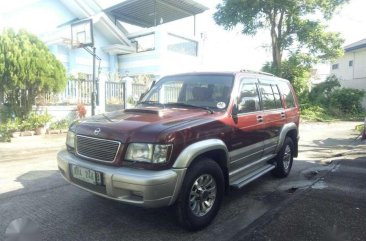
[285,129]
[192,151]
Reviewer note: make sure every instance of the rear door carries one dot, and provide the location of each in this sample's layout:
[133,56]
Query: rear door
[247,141]
[274,116]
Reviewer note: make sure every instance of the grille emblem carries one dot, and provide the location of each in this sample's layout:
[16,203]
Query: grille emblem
[97,131]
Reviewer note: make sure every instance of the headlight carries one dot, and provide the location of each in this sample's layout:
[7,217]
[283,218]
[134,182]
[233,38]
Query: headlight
[151,153]
[70,139]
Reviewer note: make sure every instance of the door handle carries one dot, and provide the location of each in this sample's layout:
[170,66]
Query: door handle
[260,118]
[283,115]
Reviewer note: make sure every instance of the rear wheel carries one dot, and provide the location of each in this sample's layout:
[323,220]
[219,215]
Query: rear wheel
[201,194]
[284,159]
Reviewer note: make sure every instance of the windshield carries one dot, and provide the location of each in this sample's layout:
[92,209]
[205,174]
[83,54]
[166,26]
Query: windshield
[204,91]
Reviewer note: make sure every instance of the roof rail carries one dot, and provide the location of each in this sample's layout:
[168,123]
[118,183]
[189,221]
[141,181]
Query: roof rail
[255,72]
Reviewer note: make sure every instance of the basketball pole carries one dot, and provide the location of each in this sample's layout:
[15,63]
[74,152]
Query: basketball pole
[93,97]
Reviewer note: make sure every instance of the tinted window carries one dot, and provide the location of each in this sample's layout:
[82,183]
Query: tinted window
[277,96]
[268,98]
[287,95]
[248,100]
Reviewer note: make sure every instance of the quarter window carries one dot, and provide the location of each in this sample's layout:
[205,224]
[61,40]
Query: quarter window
[248,98]
[287,95]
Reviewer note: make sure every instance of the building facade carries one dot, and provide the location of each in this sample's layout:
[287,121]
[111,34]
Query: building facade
[351,67]
[149,49]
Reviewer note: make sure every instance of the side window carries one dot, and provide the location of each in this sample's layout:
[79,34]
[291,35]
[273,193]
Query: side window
[248,100]
[277,96]
[287,95]
[268,98]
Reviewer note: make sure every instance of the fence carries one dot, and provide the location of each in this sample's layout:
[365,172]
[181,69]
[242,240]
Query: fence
[77,91]
[138,89]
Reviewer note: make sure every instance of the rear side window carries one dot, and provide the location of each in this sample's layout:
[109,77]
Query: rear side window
[268,98]
[287,95]
[248,100]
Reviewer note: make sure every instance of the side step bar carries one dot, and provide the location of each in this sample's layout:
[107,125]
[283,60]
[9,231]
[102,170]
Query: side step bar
[247,179]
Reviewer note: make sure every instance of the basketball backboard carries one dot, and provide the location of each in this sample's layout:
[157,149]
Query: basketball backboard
[82,34]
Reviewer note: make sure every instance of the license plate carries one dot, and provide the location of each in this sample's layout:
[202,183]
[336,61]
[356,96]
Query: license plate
[85,174]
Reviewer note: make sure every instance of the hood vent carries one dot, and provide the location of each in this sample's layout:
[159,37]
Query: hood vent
[142,111]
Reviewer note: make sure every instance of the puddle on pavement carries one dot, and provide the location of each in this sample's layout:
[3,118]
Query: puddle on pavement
[319,185]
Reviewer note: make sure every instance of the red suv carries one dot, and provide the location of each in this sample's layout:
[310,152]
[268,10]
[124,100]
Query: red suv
[190,138]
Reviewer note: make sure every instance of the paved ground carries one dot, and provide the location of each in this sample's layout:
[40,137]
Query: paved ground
[267,209]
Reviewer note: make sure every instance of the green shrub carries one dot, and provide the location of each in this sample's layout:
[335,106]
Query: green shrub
[316,113]
[347,100]
[5,133]
[59,125]
[37,120]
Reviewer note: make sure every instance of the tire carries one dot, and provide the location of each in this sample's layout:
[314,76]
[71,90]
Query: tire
[204,180]
[284,159]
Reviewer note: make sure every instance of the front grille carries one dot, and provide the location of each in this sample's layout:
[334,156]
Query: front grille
[97,149]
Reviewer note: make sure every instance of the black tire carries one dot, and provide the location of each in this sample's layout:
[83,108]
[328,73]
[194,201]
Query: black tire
[192,219]
[284,159]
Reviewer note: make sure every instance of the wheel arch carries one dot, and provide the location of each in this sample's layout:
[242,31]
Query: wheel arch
[214,149]
[289,130]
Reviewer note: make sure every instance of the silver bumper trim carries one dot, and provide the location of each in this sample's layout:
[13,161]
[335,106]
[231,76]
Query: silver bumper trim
[144,188]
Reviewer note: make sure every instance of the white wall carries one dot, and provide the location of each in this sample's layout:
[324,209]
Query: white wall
[352,76]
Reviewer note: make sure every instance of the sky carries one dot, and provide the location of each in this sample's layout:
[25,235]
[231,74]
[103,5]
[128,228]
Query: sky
[239,51]
[222,50]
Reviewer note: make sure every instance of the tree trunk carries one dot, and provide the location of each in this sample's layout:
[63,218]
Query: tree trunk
[276,52]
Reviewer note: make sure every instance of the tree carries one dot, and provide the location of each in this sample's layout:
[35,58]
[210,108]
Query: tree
[291,25]
[27,68]
[297,69]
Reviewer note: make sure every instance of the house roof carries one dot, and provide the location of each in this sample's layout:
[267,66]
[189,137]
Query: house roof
[357,45]
[149,13]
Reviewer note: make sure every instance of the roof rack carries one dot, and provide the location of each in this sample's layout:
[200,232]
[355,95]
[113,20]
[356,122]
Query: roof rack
[255,72]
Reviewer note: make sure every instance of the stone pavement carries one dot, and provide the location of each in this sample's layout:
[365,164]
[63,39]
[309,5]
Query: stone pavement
[332,209]
[30,146]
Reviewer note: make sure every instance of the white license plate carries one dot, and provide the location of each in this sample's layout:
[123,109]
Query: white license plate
[84,174]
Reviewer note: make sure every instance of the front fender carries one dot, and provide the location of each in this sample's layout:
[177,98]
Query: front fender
[194,150]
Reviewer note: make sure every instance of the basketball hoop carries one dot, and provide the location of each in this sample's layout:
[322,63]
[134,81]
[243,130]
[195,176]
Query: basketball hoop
[82,34]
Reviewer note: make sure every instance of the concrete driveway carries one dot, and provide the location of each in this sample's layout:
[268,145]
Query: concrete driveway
[30,186]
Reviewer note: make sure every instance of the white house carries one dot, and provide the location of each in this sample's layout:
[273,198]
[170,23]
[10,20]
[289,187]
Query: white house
[148,49]
[351,67]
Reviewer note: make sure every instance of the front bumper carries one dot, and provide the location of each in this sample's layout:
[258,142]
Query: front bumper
[145,188]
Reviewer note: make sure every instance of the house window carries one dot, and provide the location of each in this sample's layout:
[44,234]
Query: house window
[182,45]
[335,66]
[350,63]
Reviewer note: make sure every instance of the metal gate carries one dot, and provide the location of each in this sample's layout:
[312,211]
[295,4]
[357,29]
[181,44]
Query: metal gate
[115,96]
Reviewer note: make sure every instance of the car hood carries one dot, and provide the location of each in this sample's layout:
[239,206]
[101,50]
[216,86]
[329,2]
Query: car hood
[140,124]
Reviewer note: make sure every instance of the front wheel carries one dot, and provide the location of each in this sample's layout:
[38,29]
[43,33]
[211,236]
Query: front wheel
[284,159]
[201,194]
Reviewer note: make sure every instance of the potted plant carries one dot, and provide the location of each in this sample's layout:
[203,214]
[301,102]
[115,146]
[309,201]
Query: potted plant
[39,122]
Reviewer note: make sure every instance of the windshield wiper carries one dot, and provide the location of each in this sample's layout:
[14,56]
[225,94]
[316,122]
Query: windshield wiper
[190,106]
